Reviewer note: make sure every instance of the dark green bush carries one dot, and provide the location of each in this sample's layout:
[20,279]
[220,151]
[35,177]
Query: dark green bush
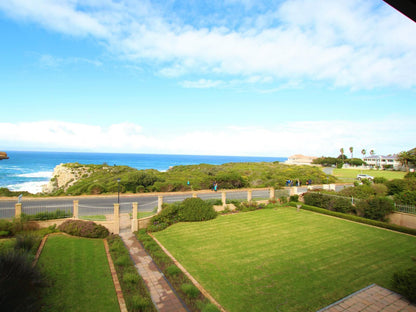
[406,198]
[380,180]
[377,208]
[190,290]
[404,283]
[410,175]
[195,209]
[21,283]
[6,227]
[173,270]
[294,198]
[341,205]
[249,206]
[83,229]
[46,215]
[25,242]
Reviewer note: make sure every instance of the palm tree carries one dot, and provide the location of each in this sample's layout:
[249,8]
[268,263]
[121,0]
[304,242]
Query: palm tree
[342,153]
[364,152]
[351,150]
[372,152]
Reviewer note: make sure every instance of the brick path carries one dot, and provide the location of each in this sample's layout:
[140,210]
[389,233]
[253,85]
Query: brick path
[162,294]
[372,299]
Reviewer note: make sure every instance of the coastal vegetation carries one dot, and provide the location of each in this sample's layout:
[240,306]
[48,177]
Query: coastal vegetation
[100,179]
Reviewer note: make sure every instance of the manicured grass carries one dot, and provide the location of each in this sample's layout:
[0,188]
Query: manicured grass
[284,260]
[80,273]
[94,218]
[144,214]
[351,174]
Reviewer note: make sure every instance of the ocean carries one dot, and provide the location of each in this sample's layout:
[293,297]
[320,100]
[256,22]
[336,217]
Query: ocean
[28,171]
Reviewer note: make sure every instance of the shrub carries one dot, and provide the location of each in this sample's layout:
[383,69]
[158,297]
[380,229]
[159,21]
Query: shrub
[6,228]
[46,215]
[404,282]
[138,303]
[122,260]
[195,209]
[173,270]
[190,290]
[131,278]
[410,175]
[294,198]
[380,180]
[396,186]
[83,229]
[21,283]
[376,208]
[341,205]
[25,242]
[406,198]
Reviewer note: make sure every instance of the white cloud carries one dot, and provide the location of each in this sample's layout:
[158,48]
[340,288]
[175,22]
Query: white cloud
[306,137]
[348,43]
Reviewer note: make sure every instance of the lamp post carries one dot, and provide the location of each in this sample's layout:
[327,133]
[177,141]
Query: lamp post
[118,190]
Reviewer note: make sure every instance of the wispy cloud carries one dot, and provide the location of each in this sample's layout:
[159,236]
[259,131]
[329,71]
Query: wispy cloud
[354,44]
[47,60]
[307,137]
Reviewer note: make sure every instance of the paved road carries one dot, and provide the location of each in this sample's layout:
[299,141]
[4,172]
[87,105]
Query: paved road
[105,204]
[99,205]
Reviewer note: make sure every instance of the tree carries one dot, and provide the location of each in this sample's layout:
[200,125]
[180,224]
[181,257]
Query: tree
[364,152]
[372,152]
[405,158]
[342,152]
[351,151]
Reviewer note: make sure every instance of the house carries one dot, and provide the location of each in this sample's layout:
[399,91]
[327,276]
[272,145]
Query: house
[383,162]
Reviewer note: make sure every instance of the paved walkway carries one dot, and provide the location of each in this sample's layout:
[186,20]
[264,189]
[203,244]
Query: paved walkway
[162,294]
[372,299]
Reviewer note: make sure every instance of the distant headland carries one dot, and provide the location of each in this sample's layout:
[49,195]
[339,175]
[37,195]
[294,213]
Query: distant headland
[3,155]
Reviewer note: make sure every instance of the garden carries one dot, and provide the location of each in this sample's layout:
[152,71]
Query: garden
[281,259]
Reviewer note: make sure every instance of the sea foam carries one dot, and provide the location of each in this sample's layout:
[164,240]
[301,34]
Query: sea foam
[40,174]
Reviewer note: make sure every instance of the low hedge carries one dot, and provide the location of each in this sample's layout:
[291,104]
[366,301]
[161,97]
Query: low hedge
[380,224]
[191,209]
[83,229]
[134,289]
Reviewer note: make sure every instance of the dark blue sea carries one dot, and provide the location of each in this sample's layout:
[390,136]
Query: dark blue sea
[28,171]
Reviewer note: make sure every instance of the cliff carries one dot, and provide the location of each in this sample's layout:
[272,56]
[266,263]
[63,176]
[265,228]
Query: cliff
[3,155]
[65,175]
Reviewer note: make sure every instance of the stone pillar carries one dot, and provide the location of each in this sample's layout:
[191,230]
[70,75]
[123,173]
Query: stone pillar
[332,187]
[159,203]
[76,206]
[116,218]
[224,198]
[293,191]
[271,196]
[194,195]
[249,195]
[18,210]
[134,223]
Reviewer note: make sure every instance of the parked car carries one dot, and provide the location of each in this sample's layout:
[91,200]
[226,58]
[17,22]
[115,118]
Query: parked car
[364,176]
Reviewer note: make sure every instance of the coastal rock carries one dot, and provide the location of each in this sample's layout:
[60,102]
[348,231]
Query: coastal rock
[3,155]
[65,175]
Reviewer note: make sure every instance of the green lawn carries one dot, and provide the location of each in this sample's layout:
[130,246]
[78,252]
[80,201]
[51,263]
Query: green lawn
[283,260]
[351,174]
[81,275]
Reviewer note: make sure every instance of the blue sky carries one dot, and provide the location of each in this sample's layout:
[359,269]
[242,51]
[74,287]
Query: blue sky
[232,77]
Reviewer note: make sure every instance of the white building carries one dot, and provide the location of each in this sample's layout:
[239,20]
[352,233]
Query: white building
[383,162]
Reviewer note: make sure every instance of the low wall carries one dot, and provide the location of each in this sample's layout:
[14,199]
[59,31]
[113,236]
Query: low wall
[403,219]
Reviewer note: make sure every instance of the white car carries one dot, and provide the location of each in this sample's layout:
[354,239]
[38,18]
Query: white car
[364,176]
